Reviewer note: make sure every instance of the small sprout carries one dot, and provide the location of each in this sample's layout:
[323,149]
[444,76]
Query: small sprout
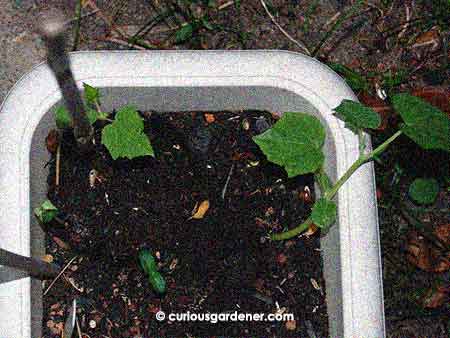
[200,211]
[148,264]
[46,212]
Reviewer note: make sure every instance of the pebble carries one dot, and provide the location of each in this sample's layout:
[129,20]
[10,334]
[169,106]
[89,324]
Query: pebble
[92,324]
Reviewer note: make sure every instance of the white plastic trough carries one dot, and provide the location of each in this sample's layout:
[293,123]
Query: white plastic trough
[185,81]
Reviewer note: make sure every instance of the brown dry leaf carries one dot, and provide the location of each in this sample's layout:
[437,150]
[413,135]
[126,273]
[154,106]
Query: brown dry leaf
[436,297]
[52,141]
[63,245]
[442,232]
[430,39]
[311,230]
[199,213]
[209,118]
[291,325]
[47,258]
[281,259]
[425,256]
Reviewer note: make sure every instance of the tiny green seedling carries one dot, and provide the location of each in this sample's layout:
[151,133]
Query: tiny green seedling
[46,212]
[148,264]
[124,137]
[296,140]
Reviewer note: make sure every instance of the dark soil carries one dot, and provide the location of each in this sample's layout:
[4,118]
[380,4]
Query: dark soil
[221,263]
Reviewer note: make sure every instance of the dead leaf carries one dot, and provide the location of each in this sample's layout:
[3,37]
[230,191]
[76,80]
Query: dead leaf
[63,245]
[442,232]
[311,230]
[429,39]
[281,259]
[425,256]
[199,213]
[436,297]
[291,325]
[173,264]
[47,258]
[210,118]
[52,141]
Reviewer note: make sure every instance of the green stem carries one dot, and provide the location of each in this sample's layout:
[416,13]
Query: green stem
[330,193]
[293,232]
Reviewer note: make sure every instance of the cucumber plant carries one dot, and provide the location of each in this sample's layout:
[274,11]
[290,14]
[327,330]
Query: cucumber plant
[124,137]
[295,142]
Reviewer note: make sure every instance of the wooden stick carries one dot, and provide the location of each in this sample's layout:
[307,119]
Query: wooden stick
[53,33]
[35,267]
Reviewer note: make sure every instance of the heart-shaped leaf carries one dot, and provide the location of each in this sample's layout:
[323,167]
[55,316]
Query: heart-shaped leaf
[424,124]
[423,190]
[357,116]
[125,136]
[324,213]
[294,142]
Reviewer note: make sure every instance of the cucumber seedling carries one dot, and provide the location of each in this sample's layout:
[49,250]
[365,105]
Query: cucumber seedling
[295,142]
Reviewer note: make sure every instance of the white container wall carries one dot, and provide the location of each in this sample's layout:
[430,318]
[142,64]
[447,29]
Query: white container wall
[185,81]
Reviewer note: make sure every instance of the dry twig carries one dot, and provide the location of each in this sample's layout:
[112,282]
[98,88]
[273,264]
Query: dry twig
[59,275]
[286,34]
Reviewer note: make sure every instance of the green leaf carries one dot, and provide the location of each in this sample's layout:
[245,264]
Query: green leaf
[206,23]
[324,213]
[46,212]
[424,124]
[63,118]
[148,264]
[125,136]
[423,190]
[356,81]
[184,33]
[357,116]
[294,142]
[91,94]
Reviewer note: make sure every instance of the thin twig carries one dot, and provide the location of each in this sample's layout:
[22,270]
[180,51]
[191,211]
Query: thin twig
[105,18]
[58,165]
[80,335]
[224,190]
[286,34]
[123,43]
[76,38]
[225,5]
[59,275]
[406,25]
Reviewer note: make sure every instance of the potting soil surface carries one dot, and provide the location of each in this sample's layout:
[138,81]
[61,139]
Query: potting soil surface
[220,263]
